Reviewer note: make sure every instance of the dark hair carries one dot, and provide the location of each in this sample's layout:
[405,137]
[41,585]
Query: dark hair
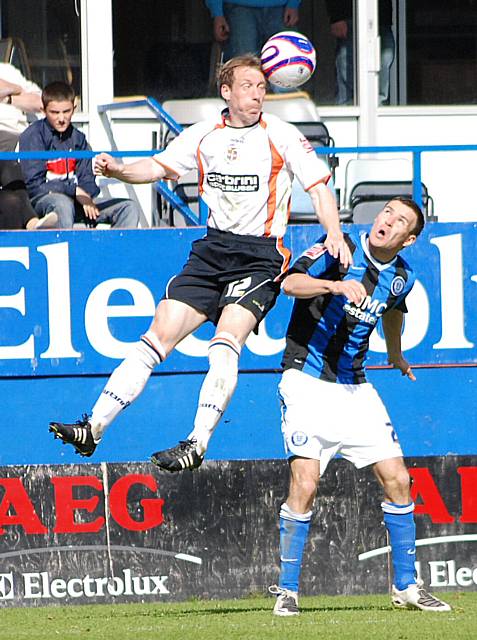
[57,92]
[419,226]
[226,72]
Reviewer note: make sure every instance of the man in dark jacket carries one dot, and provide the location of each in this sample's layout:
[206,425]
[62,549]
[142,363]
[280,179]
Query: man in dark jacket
[67,186]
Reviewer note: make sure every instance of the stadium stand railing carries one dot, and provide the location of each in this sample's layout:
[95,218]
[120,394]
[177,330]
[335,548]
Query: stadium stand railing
[176,202]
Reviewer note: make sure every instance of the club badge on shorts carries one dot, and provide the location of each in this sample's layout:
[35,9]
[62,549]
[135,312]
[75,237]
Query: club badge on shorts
[299,438]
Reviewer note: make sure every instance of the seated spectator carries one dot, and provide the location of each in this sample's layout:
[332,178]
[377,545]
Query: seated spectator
[16,211]
[18,97]
[67,186]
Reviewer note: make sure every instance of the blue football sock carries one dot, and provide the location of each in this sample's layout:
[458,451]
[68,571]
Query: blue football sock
[399,521]
[294,529]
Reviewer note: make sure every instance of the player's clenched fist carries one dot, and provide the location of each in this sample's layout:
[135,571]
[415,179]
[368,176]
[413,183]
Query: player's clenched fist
[105,165]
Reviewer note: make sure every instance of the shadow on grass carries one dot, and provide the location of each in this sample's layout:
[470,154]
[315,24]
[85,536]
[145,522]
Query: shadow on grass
[251,608]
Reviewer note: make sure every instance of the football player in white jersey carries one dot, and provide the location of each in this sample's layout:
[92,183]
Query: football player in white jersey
[246,162]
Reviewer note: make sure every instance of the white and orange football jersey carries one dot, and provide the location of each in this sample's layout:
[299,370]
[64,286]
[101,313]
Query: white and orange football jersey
[245,174]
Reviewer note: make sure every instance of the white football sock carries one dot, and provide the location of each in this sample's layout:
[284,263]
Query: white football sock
[217,388]
[126,382]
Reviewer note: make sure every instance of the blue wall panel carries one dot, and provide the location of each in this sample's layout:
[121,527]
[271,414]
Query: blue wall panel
[70,302]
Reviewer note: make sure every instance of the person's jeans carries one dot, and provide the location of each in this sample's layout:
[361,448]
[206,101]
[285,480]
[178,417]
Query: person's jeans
[120,213]
[345,65]
[250,28]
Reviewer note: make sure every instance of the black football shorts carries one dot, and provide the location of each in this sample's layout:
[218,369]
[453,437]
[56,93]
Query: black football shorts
[225,268]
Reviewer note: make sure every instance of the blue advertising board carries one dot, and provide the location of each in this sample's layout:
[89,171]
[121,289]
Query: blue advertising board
[73,302]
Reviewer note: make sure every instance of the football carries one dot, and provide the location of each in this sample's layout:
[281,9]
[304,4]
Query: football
[288,59]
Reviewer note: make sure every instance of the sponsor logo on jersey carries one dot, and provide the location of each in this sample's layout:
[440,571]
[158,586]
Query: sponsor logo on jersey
[315,251]
[299,438]
[226,182]
[368,311]
[397,285]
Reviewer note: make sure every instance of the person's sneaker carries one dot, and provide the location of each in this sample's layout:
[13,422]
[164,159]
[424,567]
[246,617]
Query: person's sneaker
[49,221]
[416,597]
[287,601]
[79,435]
[183,456]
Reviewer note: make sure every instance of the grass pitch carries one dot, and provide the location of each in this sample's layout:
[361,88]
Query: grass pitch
[324,617]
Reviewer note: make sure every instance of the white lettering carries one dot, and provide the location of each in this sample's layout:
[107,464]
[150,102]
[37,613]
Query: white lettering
[98,311]
[116,587]
[31,585]
[452,293]
[59,302]
[58,588]
[41,585]
[463,576]
[159,587]
[72,592]
[262,344]
[438,573]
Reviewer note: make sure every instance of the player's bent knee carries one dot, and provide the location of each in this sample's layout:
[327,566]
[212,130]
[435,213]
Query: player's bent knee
[226,343]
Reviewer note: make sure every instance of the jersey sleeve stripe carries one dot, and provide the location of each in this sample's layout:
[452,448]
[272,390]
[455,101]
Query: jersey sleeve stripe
[170,173]
[324,180]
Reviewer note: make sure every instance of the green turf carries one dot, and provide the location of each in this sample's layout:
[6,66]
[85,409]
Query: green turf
[325,617]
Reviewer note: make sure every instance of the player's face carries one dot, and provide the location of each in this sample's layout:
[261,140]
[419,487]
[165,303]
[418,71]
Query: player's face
[245,96]
[59,114]
[392,230]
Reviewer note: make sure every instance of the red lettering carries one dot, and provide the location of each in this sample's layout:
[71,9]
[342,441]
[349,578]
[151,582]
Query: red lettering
[468,483]
[152,507]
[16,498]
[432,503]
[67,505]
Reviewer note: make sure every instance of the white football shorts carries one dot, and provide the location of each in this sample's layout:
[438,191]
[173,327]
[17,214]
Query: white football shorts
[321,419]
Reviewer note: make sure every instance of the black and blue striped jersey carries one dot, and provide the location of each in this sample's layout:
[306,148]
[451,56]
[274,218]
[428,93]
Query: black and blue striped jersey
[328,336]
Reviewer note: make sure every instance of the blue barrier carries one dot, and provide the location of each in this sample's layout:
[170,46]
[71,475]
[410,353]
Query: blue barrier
[66,322]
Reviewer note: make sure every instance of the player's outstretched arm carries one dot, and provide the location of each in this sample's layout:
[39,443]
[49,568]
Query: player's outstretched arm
[302,285]
[139,172]
[392,327]
[326,210]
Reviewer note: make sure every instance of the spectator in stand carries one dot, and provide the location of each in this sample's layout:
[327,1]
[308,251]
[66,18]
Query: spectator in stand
[341,20]
[16,211]
[243,26]
[67,186]
[18,97]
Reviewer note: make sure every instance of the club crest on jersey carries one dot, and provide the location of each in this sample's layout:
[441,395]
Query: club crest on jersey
[315,251]
[397,285]
[232,154]
[299,438]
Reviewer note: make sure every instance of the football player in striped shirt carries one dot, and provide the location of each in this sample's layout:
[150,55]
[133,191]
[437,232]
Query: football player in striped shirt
[324,383]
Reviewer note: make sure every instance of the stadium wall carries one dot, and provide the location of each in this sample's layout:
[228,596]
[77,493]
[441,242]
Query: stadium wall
[118,529]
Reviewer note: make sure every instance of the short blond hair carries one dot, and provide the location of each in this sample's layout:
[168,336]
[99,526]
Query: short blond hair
[227,71]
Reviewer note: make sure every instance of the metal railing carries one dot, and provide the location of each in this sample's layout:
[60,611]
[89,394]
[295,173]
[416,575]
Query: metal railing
[176,202]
